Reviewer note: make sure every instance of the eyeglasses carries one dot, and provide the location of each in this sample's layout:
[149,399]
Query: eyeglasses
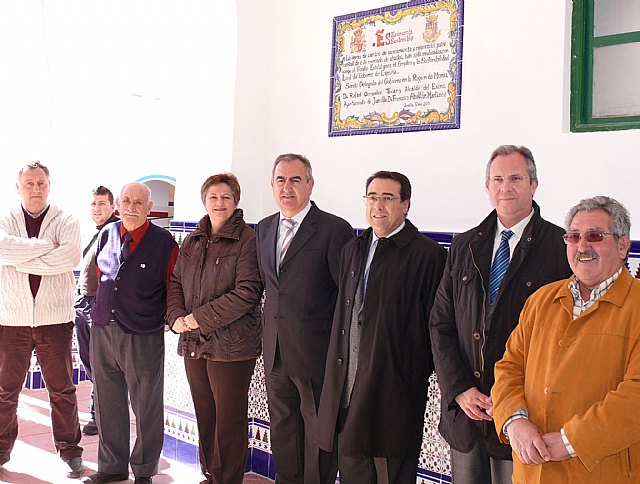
[386,199]
[513,179]
[589,236]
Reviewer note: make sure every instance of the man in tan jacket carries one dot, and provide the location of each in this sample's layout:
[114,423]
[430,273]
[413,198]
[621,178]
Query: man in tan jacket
[568,387]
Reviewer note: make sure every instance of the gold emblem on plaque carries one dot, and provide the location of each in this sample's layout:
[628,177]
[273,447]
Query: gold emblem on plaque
[431,31]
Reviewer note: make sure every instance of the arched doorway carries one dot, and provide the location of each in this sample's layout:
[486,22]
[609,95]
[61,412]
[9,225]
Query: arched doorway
[163,189]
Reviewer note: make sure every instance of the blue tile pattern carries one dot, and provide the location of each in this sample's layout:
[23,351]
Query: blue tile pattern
[434,465]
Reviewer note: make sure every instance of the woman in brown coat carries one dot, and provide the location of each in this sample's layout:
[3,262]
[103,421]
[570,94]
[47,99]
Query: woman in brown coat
[213,302]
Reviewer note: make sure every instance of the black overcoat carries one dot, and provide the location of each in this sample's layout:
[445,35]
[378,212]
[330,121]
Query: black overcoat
[467,338]
[386,412]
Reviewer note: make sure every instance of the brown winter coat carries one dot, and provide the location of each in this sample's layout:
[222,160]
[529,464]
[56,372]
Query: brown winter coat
[216,278]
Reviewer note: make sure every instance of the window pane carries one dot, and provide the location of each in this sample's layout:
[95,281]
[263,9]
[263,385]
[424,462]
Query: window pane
[616,80]
[616,17]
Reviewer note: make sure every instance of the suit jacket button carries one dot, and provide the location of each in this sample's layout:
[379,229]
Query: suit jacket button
[528,284]
[348,302]
[342,332]
[339,362]
[476,336]
[353,274]
[476,374]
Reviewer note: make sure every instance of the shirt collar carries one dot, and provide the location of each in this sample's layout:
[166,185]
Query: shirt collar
[598,291]
[375,238]
[518,228]
[299,217]
[136,234]
[36,215]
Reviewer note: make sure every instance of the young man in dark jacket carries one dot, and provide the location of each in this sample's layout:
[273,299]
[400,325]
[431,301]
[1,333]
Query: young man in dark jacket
[491,270]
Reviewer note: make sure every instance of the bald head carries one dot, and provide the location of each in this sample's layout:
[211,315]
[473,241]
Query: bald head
[134,205]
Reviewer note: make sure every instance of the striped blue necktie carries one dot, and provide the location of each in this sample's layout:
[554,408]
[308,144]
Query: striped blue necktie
[499,266]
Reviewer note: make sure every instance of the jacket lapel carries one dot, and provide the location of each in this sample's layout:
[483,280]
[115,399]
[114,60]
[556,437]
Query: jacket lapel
[270,241]
[303,235]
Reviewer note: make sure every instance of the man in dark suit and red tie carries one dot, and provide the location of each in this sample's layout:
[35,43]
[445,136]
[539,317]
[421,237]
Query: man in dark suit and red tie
[298,252]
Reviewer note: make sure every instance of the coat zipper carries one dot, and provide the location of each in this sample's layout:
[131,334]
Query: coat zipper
[484,306]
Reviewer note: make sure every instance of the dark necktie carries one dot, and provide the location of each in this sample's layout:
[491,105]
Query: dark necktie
[500,265]
[125,250]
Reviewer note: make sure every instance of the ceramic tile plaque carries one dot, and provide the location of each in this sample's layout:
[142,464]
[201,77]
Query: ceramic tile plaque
[397,69]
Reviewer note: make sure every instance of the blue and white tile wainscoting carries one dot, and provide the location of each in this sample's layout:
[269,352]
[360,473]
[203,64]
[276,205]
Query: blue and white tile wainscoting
[434,465]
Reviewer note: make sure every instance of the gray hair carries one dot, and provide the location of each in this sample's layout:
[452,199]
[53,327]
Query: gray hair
[505,150]
[618,215]
[292,157]
[33,165]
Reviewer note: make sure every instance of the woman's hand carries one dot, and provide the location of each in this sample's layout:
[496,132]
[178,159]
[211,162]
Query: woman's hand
[180,326]
[191,322]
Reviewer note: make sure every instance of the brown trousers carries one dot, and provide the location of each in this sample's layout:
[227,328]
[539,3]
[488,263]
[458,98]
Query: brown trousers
[53,348]
[220,397]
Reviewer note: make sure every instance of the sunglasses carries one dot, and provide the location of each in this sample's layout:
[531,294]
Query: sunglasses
[589,236]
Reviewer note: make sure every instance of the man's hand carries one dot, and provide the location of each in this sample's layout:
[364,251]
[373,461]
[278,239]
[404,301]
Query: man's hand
[556,446]
[527,442]
[475,404]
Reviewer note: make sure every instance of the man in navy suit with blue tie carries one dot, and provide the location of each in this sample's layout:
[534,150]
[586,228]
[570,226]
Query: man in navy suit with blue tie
[298,252]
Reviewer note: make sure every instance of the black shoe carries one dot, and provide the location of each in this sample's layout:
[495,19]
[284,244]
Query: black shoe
[77,469]
[91,428]
[143,480]
[103,478]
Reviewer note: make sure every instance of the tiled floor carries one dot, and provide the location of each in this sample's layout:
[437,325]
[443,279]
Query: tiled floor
[34,461]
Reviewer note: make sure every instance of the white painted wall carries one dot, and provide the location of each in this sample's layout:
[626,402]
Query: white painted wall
[69,70]
[515,90]
[105,93]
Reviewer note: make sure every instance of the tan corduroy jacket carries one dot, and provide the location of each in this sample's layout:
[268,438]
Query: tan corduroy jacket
[582,375]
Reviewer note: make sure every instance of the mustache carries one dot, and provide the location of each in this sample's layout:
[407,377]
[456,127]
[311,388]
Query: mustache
[587,255]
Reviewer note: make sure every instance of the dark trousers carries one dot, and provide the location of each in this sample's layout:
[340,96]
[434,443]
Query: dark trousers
[293,404]
[128,367]
[373,470]
[83,330]
[220,392]
[53,348]
[477,467]
[83,334]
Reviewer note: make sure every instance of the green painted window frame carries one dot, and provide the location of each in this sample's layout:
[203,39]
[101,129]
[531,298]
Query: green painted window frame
[583,44]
